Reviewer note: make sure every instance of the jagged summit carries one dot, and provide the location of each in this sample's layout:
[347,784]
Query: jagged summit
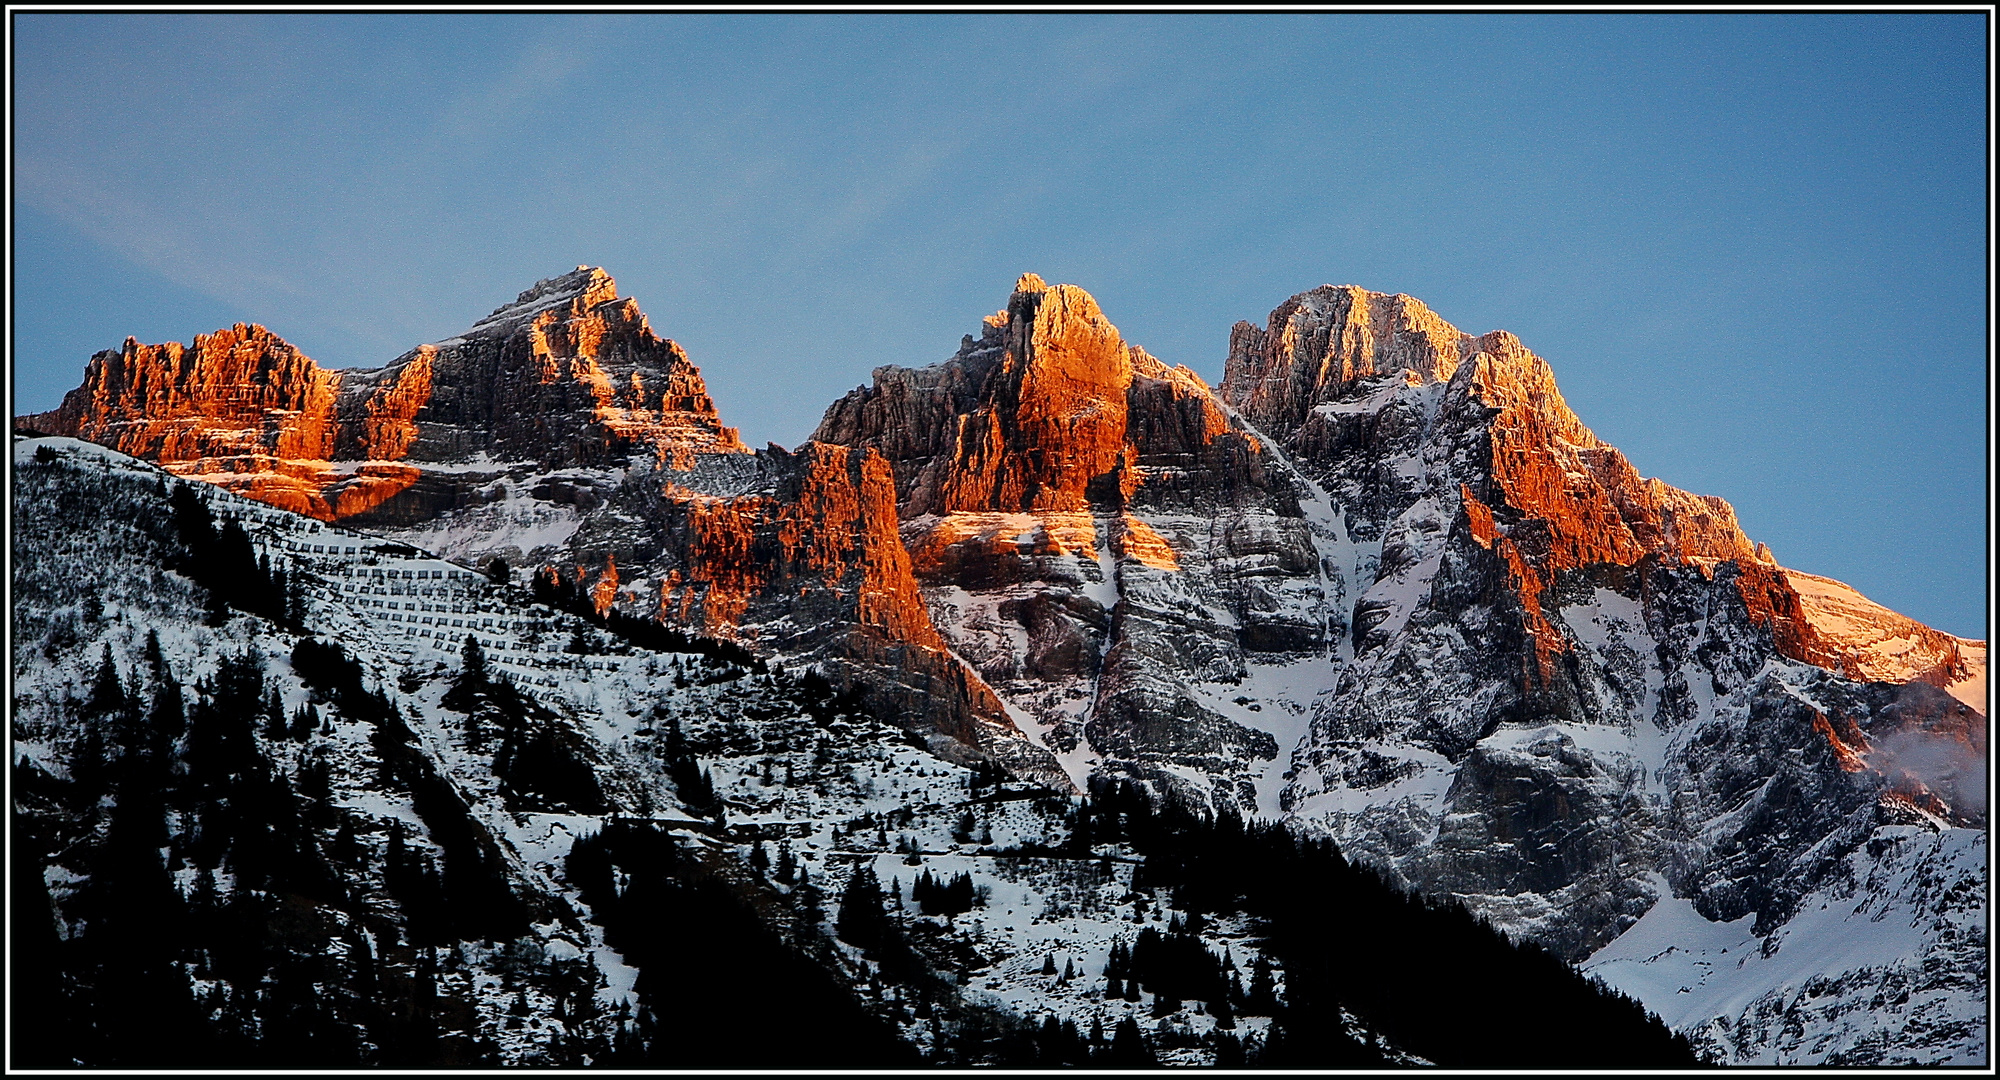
[567,374]
[1326,338]
[1098,536]
[1382,583]
[579,290]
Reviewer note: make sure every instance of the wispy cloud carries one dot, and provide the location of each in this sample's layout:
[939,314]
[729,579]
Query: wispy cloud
[183,248]
[541,77]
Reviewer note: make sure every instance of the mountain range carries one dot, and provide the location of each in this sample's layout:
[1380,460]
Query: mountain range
[1382,587]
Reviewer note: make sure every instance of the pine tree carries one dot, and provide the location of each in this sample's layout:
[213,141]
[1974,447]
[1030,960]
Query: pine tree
[107,694]
[1262,999]
[472,663]
[166,719]
[787,865]
[305,721]
[275,725]
[1128,1047]
[156,660]
[861,917]
[292,589]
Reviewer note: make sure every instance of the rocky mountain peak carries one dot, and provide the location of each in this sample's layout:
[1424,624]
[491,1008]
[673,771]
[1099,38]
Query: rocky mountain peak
[575,293]
[1387,585]
[1036,414]
[1320,342]
[1063,494]
[210,402]
[569,373]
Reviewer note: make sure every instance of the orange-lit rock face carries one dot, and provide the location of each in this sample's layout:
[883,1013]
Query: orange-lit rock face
[518,439]
[1566,501]
[1050,410]
[1055,423]
[1092,530]
[835,533]
[807,564]
[1865,641]
[237,393]
[568,373]
[387,425]
[981,550]
[1534,485]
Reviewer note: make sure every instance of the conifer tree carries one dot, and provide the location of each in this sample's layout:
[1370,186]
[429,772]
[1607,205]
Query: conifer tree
[1128,1047]
[472,662]
[787,864]
[166,719]
[1263,998]
[107,694]
[305,721]
[861,917]
[275,724]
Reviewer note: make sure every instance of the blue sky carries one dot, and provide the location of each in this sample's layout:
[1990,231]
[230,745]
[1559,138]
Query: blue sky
[1753,247]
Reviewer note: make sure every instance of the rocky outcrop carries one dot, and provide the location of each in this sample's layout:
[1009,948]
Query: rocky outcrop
[795,555]
[1867,642]
[1567,677]
[1099,537]
[569,374]
[561,433]
[1386,583]
[1352,383]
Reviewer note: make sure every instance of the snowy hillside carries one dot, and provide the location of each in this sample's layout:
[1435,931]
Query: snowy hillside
[804,793]
[1891,954]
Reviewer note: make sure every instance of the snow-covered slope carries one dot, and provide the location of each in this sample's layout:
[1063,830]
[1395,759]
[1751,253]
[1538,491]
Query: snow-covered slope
[833,789]
[1577,696]
[1885,964]
[1383,585]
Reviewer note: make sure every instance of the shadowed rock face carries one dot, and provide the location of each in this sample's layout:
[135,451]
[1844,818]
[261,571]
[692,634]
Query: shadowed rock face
[1567,676]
